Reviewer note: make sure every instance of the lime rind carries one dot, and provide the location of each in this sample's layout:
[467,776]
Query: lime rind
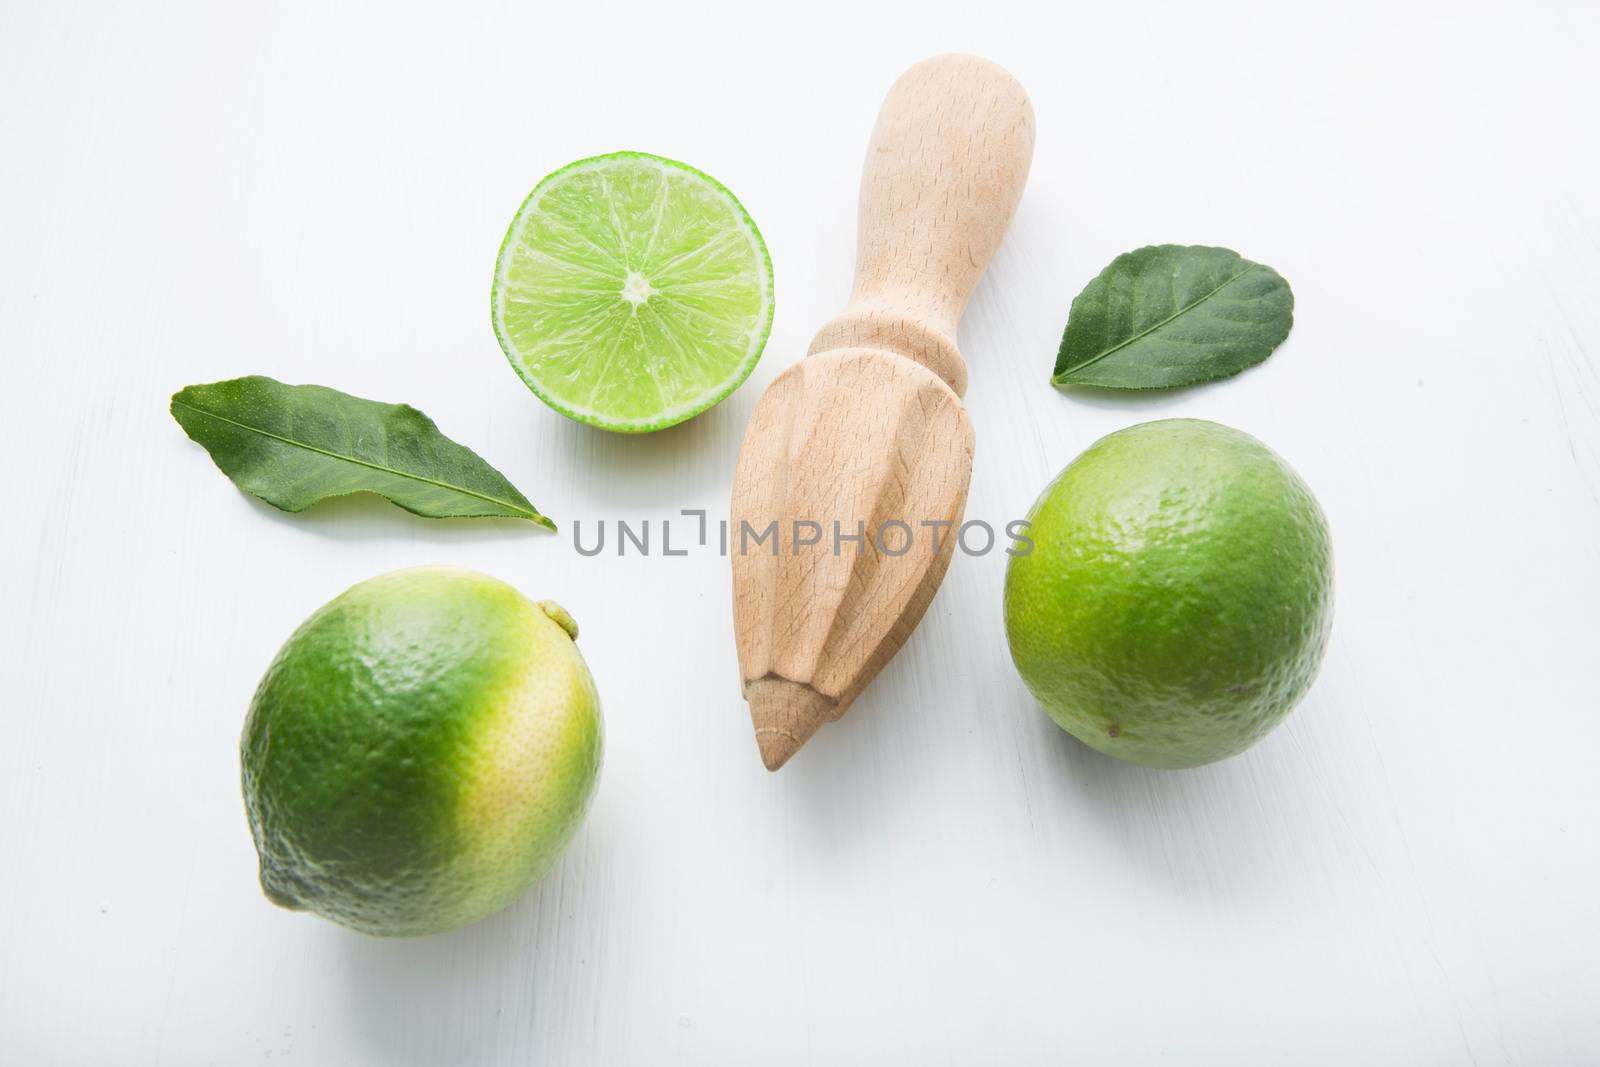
[627,334]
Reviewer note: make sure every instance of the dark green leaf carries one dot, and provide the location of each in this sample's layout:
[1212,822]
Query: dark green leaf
[1173,315]
[293,445]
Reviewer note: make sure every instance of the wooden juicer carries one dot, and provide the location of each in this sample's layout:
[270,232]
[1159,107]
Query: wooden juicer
[861,453]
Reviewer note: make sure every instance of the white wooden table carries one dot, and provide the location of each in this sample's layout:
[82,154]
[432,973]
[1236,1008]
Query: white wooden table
[1405,873]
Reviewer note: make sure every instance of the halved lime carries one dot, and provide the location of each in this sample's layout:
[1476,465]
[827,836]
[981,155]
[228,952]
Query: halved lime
[632,292]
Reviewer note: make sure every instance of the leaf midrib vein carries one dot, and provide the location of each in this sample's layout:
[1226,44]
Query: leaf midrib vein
[1148,330]
[358,462]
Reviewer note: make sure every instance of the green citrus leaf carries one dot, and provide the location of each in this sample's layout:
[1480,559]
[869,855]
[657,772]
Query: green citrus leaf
[293,445]
[1171,315]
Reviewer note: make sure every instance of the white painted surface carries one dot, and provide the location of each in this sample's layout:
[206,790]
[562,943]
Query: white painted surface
[1405,873]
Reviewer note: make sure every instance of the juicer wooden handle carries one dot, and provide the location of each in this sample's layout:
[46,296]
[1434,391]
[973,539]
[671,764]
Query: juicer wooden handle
[944,171]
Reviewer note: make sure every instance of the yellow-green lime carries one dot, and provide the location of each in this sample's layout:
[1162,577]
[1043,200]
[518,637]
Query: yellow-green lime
[420,752]
[1177,599]
[632,292]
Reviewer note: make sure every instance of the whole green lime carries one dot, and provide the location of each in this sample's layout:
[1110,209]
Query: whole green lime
[1177,599]
[420,752]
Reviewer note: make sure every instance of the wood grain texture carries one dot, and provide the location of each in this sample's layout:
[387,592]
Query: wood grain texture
[867,436]
[867,457]
[1402,875]
[945,169]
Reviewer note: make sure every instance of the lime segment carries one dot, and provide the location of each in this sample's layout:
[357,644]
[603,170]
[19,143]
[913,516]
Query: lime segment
[632,292]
